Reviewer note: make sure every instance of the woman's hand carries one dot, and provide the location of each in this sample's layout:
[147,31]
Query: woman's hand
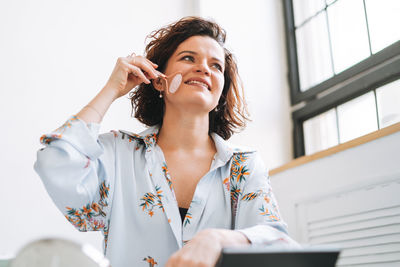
[205,247]
[129,72]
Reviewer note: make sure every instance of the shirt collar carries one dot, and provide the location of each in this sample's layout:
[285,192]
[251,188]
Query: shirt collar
[148,137]
[225,150]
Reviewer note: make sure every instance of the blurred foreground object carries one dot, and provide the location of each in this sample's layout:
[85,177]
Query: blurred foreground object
[59,253]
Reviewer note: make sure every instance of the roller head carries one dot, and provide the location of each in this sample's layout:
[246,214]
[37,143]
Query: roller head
[175,83]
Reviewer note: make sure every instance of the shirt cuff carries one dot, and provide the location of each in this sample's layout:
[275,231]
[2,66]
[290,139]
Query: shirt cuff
[82,136]
[264,235]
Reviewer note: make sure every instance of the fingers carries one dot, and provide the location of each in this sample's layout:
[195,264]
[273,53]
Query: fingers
[138,73]
[154,64]
[145,65]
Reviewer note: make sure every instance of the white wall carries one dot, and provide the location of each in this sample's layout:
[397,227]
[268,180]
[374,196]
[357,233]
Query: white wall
[54,57]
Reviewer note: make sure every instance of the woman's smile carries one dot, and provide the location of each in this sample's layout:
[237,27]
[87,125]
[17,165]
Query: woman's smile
[198,82]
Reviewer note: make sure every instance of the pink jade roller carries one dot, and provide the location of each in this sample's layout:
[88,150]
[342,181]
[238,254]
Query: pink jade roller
[174,84]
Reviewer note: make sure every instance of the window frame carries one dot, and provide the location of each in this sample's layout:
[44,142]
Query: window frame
[377,70]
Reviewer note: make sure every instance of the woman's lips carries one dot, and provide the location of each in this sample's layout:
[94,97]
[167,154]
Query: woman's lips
[198,82]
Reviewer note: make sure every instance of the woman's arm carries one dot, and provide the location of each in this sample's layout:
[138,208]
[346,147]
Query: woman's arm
[77,169]
[127,74]
[77,165]
[205,247]
[97,108]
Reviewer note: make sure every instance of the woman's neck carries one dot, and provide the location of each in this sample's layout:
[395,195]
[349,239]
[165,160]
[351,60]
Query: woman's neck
[184,131]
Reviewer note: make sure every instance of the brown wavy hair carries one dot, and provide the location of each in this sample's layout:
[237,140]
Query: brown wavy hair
[231,112]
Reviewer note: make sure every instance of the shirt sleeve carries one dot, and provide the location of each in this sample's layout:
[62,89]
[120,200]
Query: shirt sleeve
[257,214]
[77,169]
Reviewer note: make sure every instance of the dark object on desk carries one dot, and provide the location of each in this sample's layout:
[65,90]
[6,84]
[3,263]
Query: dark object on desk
[278,257]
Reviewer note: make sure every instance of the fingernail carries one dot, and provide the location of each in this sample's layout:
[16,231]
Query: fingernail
[160,74]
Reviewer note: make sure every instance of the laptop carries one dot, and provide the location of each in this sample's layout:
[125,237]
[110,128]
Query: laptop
[278,257]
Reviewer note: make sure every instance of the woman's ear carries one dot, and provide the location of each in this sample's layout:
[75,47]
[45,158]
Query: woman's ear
[158,84]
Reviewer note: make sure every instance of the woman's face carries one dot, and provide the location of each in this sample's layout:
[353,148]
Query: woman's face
[201,61]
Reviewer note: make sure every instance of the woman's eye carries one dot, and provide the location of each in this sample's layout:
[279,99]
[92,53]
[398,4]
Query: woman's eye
[218,66]
[188,58]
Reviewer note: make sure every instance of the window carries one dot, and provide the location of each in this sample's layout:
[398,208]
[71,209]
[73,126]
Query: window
[388,97]
[344,69]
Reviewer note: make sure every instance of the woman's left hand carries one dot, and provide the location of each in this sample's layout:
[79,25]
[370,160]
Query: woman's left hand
[205,247]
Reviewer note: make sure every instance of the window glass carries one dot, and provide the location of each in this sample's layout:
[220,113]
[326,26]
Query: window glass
[349,34]
[383,22]
[313,52]
[388,99]
[320,132]
[357,117]
[305,9]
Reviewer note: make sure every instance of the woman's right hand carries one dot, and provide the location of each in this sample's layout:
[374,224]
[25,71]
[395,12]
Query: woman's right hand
[131,71]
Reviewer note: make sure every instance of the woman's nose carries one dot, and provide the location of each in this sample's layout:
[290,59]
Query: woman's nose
[203,67]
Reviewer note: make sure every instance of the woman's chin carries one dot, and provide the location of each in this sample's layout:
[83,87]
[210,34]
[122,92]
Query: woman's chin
[196,106]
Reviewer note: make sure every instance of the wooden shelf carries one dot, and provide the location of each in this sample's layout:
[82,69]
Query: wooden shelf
[352,143]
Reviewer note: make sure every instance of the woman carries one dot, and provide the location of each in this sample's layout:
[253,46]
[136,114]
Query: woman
[177,193]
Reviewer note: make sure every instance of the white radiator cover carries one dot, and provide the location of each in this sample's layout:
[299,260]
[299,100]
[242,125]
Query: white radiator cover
[350,199]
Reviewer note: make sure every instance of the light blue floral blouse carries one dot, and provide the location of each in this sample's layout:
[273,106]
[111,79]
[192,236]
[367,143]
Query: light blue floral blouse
[118,183]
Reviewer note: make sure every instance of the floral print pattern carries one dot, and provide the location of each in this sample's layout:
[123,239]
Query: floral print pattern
[148,140]
[187,219]
[150,261]
[90,217]
[150,201]
[252,195]
[131,137]
[227,184]
[45,139]
[273,213]
[67,124]
[105,234]
[265,212]
[58,133]
[167,175]
[238,175]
